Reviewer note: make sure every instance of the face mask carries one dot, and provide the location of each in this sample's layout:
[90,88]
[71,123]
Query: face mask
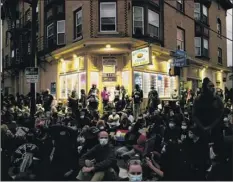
[191,135]
[135,177]
[103,141]
[171,125]
[113,113]
[185,113]
[81,117]
[101,127]
[183,127]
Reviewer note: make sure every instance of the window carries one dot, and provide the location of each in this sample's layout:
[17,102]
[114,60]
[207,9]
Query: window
[205,14]
[50,30]
[49,13]
[180,5]
[219,55]
[205,47]
[78,24]
[61,29]
[108,17]
[180,39]
[198,46]
[153,23]
[28,15]
[12,53]
[156,2]
[219,26]
[197,11]
[60,9]
[138,20]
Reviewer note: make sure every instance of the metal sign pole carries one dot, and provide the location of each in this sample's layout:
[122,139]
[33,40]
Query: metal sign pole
[33,57]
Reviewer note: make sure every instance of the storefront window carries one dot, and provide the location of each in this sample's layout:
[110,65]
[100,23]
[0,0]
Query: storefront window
[138,79]
[95,79]
[82,83]
[70,82]
[146,84]
[63,93]
[163,84]
[125,79]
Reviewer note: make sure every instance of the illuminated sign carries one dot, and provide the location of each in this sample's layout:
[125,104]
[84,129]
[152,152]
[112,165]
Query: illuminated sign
[141,57]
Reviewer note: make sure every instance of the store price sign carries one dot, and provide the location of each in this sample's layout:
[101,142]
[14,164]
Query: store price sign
[109,77]
[32,74]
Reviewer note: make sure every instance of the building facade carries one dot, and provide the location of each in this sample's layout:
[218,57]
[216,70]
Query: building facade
[129,42]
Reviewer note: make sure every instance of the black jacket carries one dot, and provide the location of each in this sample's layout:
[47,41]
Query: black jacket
[103,155]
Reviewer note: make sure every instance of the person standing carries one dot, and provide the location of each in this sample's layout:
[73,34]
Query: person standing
[105,97]
[153,100]
[117,93]
[48,99]
[137,99]
[83,98]
[208,111]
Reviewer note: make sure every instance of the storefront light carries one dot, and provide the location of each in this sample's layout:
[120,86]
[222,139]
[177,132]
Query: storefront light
[221,71]
[74,56]
[63,65]
[153,57]
[108,46]
[76,63]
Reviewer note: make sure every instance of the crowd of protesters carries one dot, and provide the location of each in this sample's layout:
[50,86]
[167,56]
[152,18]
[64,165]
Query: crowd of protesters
[181,139]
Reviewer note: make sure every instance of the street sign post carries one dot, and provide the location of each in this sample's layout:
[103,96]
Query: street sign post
[32,74]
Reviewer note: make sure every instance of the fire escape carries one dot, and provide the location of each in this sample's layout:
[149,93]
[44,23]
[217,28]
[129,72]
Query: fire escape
[18,33]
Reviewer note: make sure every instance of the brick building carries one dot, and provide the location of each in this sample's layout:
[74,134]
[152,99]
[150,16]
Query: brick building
[123,42]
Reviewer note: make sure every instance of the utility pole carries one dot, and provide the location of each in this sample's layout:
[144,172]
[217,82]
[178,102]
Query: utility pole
[33,57]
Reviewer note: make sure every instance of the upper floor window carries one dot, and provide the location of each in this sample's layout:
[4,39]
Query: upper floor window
[198,46]
[138,20]
[50,30]
[108,17]
[205,47]
[60,9]
[205,14]
[219,55]
[153,24]
[180,5]
[49,13]
[61,29]
[78,24]
[180,39]
[219,26]
[201,12]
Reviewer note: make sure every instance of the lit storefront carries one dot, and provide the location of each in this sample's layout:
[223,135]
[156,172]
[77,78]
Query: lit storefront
[118,66]
[72,76]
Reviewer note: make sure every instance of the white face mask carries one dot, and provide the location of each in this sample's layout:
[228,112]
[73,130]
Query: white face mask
[171,125]
[183,127]
[82,116]
[103,141]
[135,177]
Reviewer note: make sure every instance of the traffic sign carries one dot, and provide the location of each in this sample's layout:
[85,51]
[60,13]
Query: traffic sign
[32,74]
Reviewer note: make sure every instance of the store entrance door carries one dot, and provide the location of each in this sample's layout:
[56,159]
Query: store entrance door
[110,88]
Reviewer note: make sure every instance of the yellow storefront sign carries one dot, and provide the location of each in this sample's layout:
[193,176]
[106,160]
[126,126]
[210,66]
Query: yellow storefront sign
[141,57]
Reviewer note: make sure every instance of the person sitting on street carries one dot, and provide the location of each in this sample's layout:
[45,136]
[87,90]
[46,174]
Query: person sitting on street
[96,162]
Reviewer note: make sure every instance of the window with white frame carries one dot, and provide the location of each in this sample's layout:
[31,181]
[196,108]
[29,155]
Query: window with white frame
[138,20]
[205,47]
[180,38]
[61,29]
[204,14]
[198,46]
[197,11]
[78,24]
[108,17]
[153,23]
[50,30]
